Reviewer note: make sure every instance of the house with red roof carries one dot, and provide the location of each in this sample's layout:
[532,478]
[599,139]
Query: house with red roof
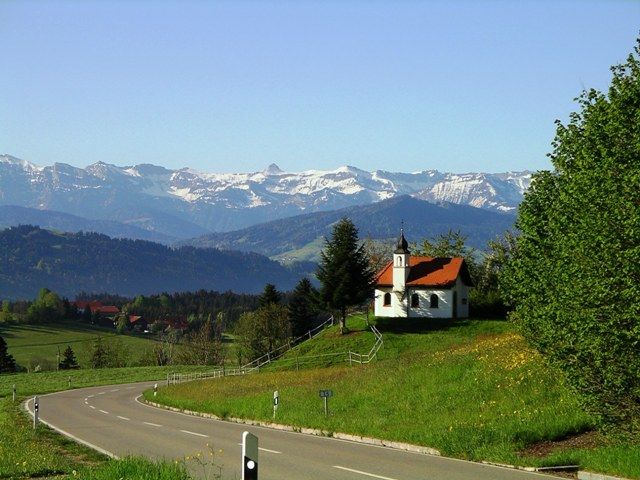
[424,287]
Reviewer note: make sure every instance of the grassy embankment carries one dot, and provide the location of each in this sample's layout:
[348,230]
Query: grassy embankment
[471,389]
[25,453]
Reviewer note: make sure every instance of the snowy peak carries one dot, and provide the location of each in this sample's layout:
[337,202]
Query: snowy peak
[175,202]
[272,169]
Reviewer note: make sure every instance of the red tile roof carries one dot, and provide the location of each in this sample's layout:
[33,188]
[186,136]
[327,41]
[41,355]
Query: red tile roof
[134,318]
[428,272]
[82,304]
[107,309]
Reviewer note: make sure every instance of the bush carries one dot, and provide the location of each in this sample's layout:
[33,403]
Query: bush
[574,278]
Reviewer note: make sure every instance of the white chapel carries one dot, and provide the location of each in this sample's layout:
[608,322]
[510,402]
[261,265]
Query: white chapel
[415,286]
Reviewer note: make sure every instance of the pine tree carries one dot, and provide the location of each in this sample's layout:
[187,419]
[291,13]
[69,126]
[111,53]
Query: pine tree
[345,273]
[99,355]
[7,363]
[302,307]
[69,361]
[270,295]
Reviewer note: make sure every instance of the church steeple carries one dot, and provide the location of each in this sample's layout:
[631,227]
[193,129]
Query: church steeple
[402,246]
[401,263]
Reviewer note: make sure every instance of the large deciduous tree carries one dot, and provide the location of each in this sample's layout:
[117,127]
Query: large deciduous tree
[345,271]
[575,275]
[262,331]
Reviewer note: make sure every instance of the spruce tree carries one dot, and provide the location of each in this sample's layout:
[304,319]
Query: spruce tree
[270,295]
[69,361]
[302,307]
[7,363]
[99,354]
[345,273]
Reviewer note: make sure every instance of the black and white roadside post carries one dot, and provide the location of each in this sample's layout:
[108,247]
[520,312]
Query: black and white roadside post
[14,393]
[69,381]
[36,409]
[325,394]
[155,390]
[249,456]
[276,401]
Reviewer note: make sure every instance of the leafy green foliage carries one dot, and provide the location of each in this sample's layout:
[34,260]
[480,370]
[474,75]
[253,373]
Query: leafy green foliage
[46,308]
[7,362]
[345,271]
[575,276]
[196,306]
[262,331]
[108,355]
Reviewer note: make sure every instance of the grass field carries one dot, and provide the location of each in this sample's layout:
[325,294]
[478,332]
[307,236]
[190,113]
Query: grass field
[33,345]
[471,389]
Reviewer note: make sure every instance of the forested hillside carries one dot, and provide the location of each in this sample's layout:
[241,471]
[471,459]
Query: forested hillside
[32,258]
[378,221]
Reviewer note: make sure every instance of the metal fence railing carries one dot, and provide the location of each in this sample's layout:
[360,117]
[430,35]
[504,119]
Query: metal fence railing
[355,357]
[287,363]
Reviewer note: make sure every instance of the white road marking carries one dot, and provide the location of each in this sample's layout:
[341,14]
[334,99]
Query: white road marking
[130,388]
[115,390]
[123,418]
[91,406]
[102,393]
[85,399]
[265,449]
[90,396]
[152,424]
[363,473]
[104,411]
[194,433]
[86,403]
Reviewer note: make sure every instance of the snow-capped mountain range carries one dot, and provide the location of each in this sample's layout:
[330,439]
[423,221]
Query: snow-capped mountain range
[185,203]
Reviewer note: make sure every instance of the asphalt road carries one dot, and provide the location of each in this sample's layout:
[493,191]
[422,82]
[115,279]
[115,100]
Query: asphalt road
[112,420]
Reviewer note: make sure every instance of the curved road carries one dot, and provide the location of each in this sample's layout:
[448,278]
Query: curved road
[112,420]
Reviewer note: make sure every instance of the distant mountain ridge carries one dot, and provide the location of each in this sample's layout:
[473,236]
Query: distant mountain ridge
[186,203]
[32,258]
[11,215]
[380,220]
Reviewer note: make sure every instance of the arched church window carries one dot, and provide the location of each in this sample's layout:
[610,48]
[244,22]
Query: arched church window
[415,301]
[433,301]
[387,300]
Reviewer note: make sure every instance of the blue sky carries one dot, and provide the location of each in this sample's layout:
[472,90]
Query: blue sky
[234,86]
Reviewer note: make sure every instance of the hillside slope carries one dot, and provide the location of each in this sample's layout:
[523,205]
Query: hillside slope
[12,215]
[380,220]
[32,258]
[471,389]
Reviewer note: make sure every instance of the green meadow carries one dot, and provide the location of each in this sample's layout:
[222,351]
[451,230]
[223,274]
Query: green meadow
[471,389]
[33,345]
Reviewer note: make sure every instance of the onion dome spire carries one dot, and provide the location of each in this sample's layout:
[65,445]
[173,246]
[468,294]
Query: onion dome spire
[403,245]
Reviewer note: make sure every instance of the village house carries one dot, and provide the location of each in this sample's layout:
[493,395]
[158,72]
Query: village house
[427,287]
